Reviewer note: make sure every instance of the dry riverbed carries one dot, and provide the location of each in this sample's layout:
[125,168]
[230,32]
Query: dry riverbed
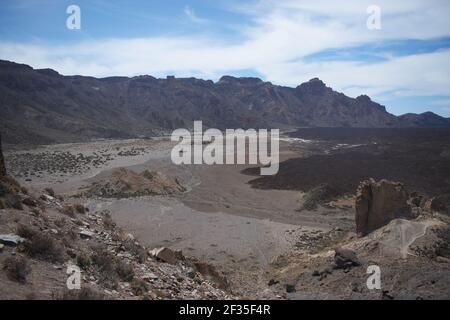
[220,218]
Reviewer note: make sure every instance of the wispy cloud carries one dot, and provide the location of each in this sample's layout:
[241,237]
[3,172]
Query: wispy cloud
[190,13]
[282,41]
[442,102]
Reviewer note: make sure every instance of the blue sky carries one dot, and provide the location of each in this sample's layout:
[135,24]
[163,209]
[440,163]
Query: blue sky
[404,65]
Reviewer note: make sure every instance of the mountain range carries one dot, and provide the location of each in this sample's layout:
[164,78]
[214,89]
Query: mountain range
[42,106]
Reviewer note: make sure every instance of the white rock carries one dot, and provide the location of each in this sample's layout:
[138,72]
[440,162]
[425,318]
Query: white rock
[86,234]
[149,276]
[11,239]
[129,237]
[166,255]
[48,198]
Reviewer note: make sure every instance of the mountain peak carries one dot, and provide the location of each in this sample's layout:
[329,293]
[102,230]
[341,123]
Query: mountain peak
[48,72]
[425,119]
[316,80]
[363,98]
[241,80]
[9,65]
[429,114]
[315,85]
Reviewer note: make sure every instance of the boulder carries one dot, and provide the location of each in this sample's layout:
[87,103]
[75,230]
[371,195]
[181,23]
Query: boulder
[345,259]
[167,255]
[50,192]
[149,276]
[290,288]
[30,202]
[377,203]
[11,239]
[86,234]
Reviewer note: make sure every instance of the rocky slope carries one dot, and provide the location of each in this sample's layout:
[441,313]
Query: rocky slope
[124,183]
[412,255]
[43,236]
[426,119]
[42,106]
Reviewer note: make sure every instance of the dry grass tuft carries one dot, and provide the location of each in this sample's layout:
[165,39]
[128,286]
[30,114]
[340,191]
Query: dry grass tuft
[16,268]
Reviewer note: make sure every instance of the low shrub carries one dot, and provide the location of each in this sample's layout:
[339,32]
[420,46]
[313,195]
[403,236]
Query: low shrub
[16,268]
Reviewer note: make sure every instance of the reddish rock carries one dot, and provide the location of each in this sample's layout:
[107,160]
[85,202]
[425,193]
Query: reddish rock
[377,203]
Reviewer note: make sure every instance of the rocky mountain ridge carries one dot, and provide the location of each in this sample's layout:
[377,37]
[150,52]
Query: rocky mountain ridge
[41,106]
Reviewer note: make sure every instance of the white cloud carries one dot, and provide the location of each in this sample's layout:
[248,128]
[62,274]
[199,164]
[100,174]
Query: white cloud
[190,13]
[442,102]
[421,75]
[278,36]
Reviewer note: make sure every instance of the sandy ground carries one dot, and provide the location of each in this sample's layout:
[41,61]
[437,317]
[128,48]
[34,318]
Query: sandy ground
[108,151]
[220,219]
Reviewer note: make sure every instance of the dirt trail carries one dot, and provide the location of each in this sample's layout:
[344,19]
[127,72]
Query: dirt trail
[403,233]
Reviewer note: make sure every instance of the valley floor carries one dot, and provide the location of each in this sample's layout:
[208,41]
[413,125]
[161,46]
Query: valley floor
[250,235]
[220,219]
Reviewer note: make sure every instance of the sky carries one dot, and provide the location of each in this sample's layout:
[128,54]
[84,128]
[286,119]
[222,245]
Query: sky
[403,64]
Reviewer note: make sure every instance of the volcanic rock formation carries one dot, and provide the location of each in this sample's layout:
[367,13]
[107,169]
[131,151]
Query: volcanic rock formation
[377,203]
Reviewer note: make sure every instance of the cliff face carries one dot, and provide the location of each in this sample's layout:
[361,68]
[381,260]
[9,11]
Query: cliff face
[377,203]
[2,161]
[42,106]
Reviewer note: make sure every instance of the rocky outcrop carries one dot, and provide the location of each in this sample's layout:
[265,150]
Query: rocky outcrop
[124,183]
[377,203]
[319,196]
[11,193]
[439,204]
[2,161]
[167,255]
